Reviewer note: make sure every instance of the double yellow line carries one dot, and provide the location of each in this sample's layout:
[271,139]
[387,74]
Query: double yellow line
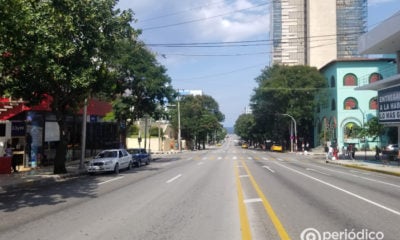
[244,221]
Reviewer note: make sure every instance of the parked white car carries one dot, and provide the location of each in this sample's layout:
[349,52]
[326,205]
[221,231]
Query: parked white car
[111,160]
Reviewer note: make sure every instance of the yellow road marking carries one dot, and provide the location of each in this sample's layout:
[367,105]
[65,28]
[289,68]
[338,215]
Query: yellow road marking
[244,220]
[267,206]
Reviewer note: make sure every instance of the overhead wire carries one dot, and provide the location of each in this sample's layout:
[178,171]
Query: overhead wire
[181,12]
[202,19]
[222,73]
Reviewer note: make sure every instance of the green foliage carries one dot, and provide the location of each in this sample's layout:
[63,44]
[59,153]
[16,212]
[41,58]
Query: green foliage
[200,117]
[133,130]
[144,85]
[244,126]
[285,90]
[61,50]
[374,129]
[154,130]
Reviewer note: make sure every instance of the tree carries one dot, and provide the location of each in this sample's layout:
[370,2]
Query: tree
[373,129]
[200,118]
[244,127]
[144,85]
[285,89]
[59,50]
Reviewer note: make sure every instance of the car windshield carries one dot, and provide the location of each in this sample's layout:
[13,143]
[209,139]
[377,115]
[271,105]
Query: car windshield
[107,154]
[134,151]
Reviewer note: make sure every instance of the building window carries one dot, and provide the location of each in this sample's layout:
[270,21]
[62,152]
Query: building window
[333,105]
[373,103]
[333,82]
[351,130]
[374,77]
[350,80]
[350,103]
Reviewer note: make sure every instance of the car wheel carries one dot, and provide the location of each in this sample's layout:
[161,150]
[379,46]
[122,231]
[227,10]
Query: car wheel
[147,161]
[139,163]
[116,169]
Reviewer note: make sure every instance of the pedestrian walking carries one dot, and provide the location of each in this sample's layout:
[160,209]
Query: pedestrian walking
[353,152]
[377,152]
[350,151]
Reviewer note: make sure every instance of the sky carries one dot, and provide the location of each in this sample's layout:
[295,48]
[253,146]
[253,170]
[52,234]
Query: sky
[217,46]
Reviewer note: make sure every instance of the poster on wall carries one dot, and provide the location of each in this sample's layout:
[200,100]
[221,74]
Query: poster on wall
[389,105]
[35,132]
[52,133]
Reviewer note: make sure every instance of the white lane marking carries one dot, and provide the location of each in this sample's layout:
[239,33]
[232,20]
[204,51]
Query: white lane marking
[311,169]
[200,163]
[264,158]
[267,167]
[249,158]
[243,176]
[234,158]
[204,158]
[111,180]
[174,178]
[342,190]
[365,178]
[252,200]
[279,159]
[219,158]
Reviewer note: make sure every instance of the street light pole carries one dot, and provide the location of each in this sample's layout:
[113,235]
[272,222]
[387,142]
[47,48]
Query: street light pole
[363,129]
[179,126]
[295,129]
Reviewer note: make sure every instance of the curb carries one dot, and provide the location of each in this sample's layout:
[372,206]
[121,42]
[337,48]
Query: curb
[358,166]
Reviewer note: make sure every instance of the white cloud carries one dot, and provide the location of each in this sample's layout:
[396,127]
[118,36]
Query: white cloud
[235,26]
[213,20]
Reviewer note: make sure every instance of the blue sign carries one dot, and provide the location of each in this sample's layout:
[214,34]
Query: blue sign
[18,129]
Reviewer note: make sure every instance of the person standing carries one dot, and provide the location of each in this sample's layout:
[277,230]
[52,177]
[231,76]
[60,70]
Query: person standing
[9,153]
[350,151]
[28,145]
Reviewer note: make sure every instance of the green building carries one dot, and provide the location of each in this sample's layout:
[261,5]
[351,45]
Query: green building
[342,111]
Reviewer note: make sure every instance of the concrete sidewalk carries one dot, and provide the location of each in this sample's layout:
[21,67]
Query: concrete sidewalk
[364,161]
[38,176]
[27,177]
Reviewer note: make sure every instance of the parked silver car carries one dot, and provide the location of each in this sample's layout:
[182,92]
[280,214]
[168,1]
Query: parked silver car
[111,160]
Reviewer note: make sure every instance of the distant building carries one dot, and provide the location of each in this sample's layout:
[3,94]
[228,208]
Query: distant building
[313,33]
[342,111]
[184,92]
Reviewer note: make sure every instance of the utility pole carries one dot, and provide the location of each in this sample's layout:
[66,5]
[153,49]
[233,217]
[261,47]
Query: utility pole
[83,140]
[179,126]
[295,129]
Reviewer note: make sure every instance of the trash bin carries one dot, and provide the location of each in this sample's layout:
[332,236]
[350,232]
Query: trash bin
[5,165]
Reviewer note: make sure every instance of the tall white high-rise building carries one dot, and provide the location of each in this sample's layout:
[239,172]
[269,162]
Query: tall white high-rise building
[315,32]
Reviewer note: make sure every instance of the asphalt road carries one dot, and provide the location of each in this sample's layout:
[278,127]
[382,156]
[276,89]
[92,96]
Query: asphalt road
[227,193]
